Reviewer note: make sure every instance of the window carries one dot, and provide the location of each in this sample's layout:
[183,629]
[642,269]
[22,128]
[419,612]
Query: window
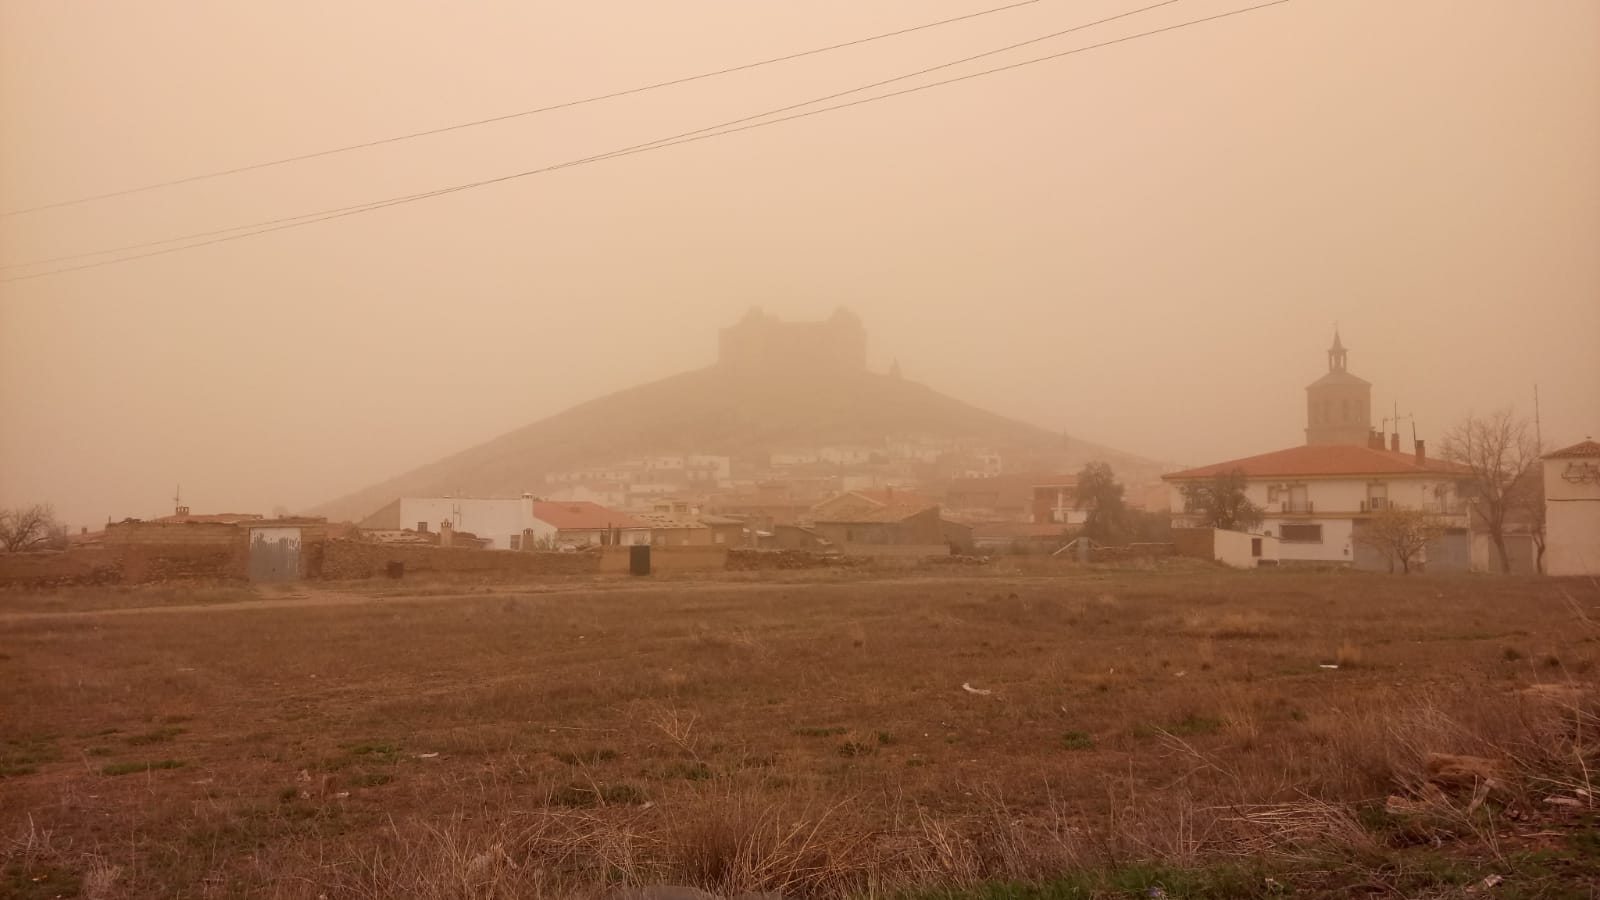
[1272,493]
[1377,496]
[1255,547]
[516,542]
[1301,532]
[719,538]
[422,526]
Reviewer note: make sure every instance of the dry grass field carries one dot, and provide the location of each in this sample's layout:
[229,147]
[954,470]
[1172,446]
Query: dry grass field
[1178,731]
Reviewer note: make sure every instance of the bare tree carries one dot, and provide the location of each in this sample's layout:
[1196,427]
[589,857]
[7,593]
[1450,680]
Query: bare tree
[31,528]
[1400,534]
[1501,456]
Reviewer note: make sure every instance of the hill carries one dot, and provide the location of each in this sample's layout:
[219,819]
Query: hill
[719,411]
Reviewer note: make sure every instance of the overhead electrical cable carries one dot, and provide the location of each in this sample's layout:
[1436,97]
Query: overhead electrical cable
[297,221]
[567,104]
[623,151]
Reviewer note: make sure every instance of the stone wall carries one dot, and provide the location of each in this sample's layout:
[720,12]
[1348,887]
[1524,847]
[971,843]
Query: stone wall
[52,568]
[744,560]
[895,551]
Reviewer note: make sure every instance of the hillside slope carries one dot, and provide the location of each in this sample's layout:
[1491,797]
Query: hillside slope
[710,411]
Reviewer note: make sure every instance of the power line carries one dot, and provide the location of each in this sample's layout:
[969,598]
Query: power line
[310,218]
[523,113]
[676,138]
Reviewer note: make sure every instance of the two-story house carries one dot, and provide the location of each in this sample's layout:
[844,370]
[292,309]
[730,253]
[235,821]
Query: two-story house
[1317,497]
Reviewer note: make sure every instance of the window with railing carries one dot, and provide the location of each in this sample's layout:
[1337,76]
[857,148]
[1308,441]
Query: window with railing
[1298,500]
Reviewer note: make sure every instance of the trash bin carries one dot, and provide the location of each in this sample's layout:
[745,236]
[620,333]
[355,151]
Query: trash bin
[639,559]
[396,569]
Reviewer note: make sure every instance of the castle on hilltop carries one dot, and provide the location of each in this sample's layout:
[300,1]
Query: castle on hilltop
[762,343]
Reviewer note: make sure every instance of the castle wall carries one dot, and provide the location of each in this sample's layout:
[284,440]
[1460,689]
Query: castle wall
[765,344]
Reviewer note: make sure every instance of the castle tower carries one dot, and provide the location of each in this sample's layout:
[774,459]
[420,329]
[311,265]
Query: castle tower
[1338,405]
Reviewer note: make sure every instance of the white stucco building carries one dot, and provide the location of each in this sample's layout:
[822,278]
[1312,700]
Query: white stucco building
[1572,510]
[1317,497]
[508,522]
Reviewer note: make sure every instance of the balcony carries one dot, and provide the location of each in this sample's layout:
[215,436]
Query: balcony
[1296,507]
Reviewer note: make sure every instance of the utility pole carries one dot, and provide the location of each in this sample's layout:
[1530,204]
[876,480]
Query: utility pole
[1538,430]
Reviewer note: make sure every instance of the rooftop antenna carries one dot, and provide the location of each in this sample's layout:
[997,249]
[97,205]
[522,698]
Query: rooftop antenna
[177,499]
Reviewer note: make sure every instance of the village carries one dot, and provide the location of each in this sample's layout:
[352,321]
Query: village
[1352,495]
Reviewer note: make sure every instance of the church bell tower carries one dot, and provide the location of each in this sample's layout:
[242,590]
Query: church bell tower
[1338,405]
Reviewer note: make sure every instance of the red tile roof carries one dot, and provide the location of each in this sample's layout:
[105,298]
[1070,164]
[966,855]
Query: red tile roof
[897,512]
[582,515]
[1332,460]
[892,496]
[1580,450]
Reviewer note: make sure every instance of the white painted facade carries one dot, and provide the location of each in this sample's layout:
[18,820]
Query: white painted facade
[1243,550]
[1320,511]
[612,495]
[1572,516]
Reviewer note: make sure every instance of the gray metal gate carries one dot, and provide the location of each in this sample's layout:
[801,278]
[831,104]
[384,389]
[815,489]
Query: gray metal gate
[274,554]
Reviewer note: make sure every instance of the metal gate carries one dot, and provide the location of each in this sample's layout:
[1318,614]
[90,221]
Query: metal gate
[274,554]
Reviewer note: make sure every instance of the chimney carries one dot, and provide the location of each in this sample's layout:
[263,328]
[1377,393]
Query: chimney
[1422,453]
[1394,441]
[447,533]
[1374,440]
[85,530]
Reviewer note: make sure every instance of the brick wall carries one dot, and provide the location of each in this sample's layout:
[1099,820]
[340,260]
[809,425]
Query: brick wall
[122,534]
[356,559]
[694,558]
[1199,543]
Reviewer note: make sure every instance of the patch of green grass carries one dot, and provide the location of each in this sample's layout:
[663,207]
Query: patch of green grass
[128,768]
[582,796]
[158,736]
[371,779]
[23,756]
[381,751]
[688,771]
[1510,654]
[584,757]
[885,738]
[1077,740]
[818,732]
[856,748]
[99,751]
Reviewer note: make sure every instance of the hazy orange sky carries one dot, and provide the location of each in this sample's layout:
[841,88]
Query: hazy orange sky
[1145,245]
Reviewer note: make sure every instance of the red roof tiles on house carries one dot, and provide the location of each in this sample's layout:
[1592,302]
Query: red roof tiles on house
[1581,450]
[581,515]
[898,512]
[1329,461]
